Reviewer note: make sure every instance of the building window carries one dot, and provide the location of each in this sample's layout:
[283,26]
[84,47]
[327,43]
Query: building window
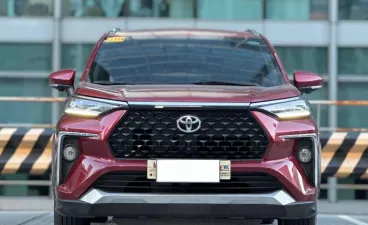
[76,55]
[92,8]
[353,9]
[313,59]
[353,61]
[37,8]
[319,10]
[201,9]
[230,9]
[130,8]
[351,116]
[36,112]
[163,8]
[296,9]
[25,57]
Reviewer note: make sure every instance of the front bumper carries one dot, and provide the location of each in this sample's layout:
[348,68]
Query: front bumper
[275,205]
[96,159]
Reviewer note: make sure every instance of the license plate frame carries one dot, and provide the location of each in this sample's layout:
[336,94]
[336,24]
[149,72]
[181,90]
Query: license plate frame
[188,171]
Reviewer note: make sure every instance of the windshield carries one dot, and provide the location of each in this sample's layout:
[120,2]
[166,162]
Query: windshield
[179,60]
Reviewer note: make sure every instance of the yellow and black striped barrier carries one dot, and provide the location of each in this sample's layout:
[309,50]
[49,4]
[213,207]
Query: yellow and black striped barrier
[344,155]
[25,150]
[28,150]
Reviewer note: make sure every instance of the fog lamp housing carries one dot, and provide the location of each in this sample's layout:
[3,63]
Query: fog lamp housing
[70,153]
[305,154]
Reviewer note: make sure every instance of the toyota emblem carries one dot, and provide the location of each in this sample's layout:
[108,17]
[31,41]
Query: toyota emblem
[188,124]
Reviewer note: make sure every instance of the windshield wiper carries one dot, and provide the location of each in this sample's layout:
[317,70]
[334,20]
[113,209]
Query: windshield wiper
[112,83]
[223,83]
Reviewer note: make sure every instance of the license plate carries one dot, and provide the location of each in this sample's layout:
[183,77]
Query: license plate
[189,171]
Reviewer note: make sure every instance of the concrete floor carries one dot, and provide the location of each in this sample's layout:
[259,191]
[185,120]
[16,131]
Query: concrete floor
[46,218]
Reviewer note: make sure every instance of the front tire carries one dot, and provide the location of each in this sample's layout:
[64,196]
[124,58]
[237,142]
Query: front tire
[67,220]
[309,221]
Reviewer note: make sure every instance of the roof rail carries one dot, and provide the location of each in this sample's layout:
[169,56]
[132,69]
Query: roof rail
[114,30]
[252,31]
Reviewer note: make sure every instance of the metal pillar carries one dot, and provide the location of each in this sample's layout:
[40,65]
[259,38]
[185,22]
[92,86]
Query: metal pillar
[56,63]
[332,189]
[332,62]
[333,84]
[56,55]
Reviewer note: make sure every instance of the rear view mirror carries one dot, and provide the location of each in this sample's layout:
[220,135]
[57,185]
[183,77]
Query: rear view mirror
[307,82]
[63,80]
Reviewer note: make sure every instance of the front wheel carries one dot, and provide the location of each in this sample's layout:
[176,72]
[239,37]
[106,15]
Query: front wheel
[67,220]
[309,221]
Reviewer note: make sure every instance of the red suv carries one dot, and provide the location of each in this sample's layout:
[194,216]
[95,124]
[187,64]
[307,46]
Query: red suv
[185,124]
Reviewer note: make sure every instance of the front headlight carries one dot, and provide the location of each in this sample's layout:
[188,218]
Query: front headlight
[87,108]
[298,109]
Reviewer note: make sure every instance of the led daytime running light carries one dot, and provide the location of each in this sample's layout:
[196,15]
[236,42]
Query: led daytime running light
[292,110]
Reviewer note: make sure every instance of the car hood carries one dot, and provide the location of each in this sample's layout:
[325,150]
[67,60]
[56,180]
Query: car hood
[187,93]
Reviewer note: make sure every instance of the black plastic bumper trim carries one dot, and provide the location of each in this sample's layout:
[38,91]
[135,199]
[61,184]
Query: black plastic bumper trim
[143,210]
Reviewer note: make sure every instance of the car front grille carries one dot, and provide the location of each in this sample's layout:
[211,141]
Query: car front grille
[136,182]
[147,134]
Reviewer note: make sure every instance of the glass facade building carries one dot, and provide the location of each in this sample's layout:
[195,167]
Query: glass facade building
[322,36]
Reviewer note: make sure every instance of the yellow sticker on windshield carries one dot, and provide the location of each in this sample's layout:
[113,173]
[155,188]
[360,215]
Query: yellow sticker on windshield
[114,39]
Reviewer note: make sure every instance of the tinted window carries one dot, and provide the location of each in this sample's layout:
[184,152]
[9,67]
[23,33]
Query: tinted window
[184,61]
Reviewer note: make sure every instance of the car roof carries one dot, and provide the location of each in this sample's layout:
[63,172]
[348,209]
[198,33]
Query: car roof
[154,33]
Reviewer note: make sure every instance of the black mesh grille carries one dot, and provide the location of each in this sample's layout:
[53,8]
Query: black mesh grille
[154,134]
[136,182]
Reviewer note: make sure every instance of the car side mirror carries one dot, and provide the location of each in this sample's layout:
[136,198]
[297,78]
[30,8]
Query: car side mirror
[63,80]
[307,82]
